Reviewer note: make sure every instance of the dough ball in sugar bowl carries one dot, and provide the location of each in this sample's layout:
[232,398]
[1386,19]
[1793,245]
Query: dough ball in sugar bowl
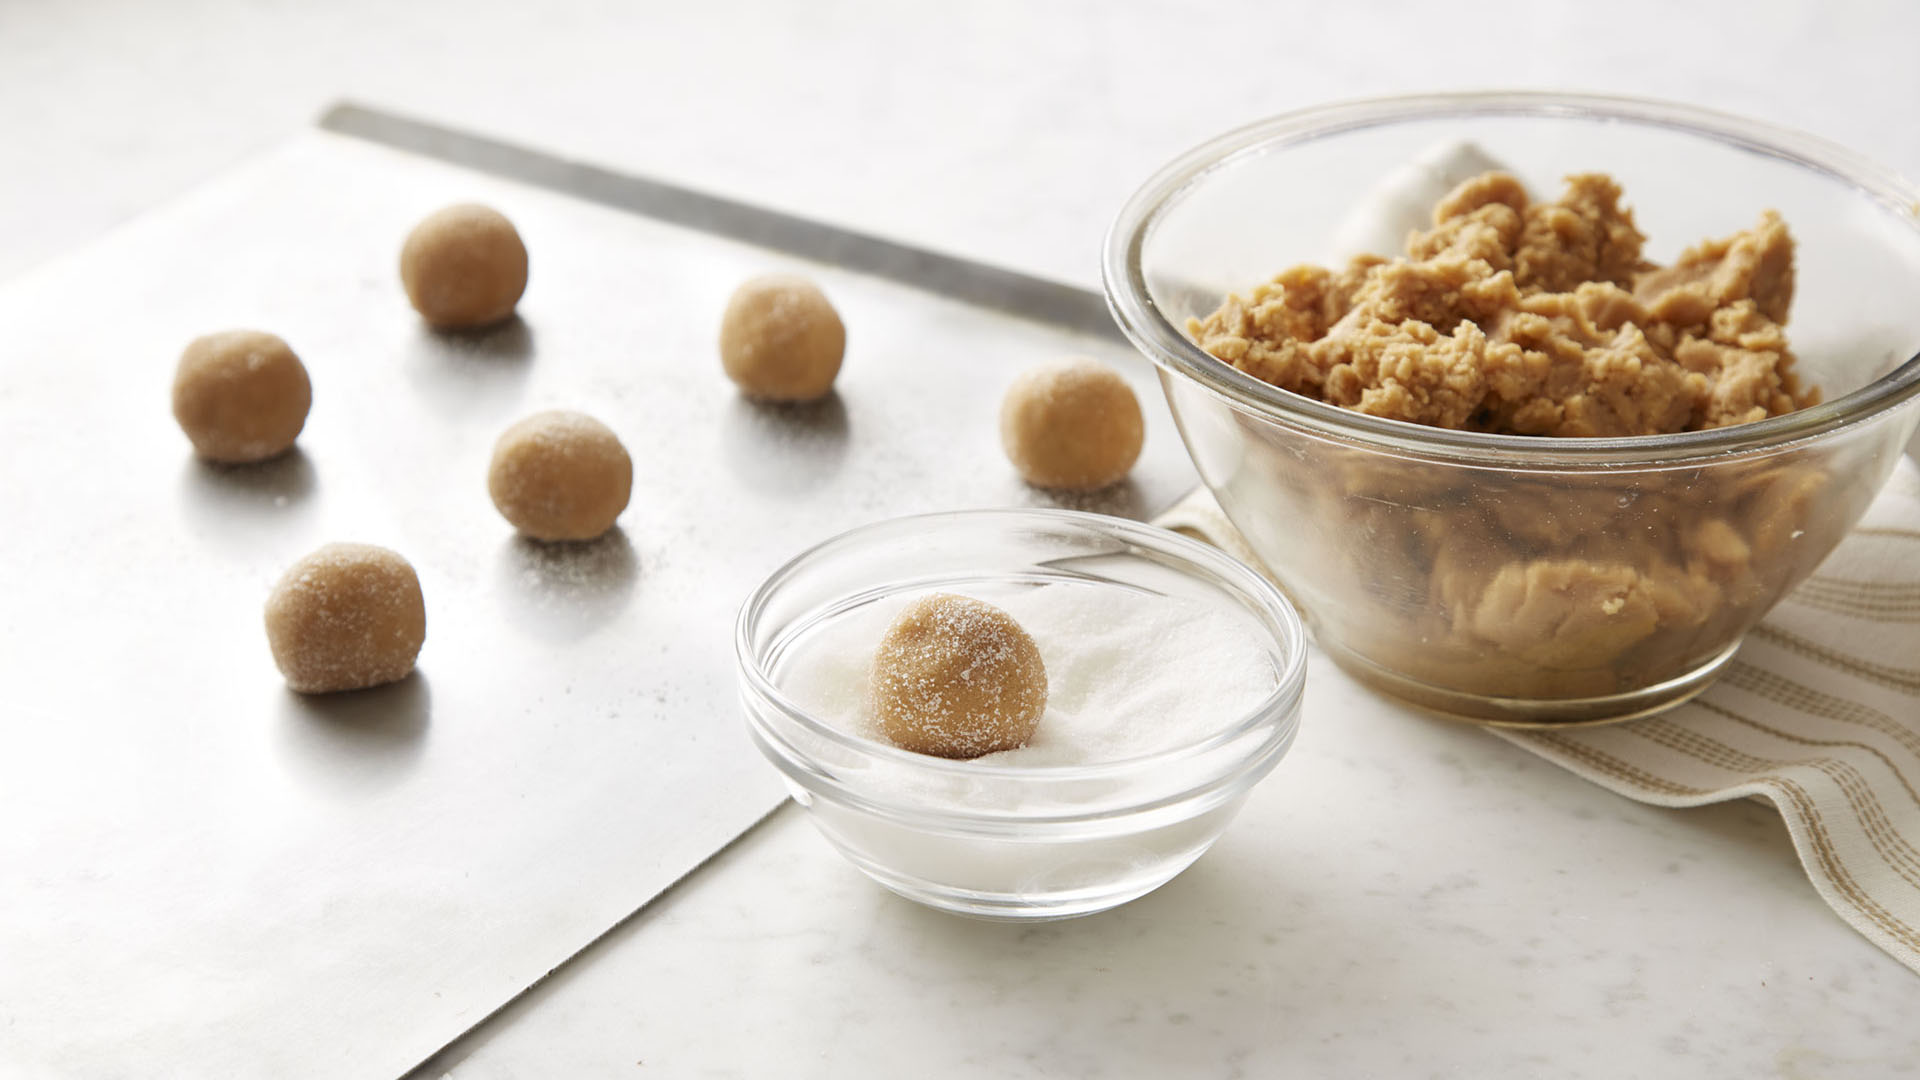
[464,267]
[956,677]
[1071,425]
[781,339]
[560,475]
[346,617]
[240,396]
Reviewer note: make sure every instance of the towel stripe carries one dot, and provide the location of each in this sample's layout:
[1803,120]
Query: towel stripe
[1892,594]
[1835,870]
[1803,740]
[1893,849]
[1904,680]
[1775,687]
[1886,530]
[1907,613]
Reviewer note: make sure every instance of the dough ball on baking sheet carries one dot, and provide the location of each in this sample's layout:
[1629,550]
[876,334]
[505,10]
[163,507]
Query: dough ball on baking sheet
[241,396]
[346,617]
[781,339]
[1071,425]
[560,475]
[464,267]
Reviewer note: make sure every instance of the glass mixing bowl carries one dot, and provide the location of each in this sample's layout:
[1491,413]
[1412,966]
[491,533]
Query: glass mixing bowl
[1450,567]
[1013,842]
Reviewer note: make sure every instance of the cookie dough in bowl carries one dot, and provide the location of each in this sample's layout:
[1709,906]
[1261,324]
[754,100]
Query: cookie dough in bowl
[1617,387]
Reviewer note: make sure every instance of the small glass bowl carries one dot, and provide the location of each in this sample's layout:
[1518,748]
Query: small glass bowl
[1472,573]
[1000,841]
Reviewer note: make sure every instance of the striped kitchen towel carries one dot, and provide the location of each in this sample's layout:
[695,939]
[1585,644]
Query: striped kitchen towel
[1818,714]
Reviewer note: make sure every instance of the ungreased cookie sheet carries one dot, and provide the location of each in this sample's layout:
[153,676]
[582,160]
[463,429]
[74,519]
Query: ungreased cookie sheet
[205,874]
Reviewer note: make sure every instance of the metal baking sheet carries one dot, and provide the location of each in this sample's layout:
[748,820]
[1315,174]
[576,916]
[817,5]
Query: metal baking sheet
[204,874]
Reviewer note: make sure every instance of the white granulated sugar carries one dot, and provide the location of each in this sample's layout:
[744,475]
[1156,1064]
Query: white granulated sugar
[1129,673]
[573,567]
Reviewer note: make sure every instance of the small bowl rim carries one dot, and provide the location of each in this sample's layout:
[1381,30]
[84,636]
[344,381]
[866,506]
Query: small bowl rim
[1280,708]
[1141,320]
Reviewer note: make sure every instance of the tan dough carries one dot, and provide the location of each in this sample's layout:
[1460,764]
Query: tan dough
[1535,318]
[347,616]
[1072,425]
[956,677]
[464,267]
[1531,318]
[240,396]
[560,476]
[781,340]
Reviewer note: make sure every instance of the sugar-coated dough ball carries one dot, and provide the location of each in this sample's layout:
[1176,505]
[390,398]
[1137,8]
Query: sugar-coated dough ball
[956,678]
[464,267]
[347,616]
[781,340]
[1071,425]
[560,476]
[240,396]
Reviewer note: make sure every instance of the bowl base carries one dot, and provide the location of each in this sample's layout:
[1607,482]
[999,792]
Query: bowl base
[1047,906]
[1533,713]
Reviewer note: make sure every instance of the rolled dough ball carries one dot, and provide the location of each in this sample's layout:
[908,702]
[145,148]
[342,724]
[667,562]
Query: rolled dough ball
[347,616]
[464,267]
[781,340]
[560,476]
[1071,425]
[240,396]
[957,678]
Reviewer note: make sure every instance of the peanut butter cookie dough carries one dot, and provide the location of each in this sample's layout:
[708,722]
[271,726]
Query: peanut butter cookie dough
[241,396]
[781,339]
[346,617]
[956,677]
[1071,425]
[1522,585]
[1531,318]
[1544,319]
[464,267]
[560,475]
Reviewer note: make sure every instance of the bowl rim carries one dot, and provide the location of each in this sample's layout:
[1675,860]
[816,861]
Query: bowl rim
[1150,330]
[1279,709]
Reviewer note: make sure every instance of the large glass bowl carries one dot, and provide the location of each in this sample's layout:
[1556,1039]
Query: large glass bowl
[1452,568]
[1002,841]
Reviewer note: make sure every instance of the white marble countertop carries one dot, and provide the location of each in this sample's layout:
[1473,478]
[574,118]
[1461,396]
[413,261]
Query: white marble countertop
[1403,897]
